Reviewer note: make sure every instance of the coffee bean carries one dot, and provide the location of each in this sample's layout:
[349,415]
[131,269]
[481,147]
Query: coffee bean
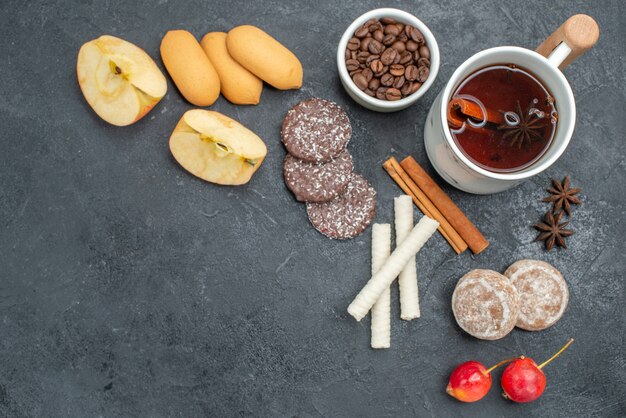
[400,26]
[412,46]
[383,71]
[360,81]
[375,47]
[378,35]
[368,74]
[416,35]
[405,58]
[388,56]
[361,32]
[423,74]
[369,92]
[392,30]
[398,82]
[403,37]
[386,79]
[388,40]
[361,56]
[358,70]
[406,89]
[393,94]
[415,86]
[369,22]
[374,84]
[371,59]
[387,21]
[416,55]
[424,52]
[347,54]
[376,66]
[396,60]
[375,26]
[411,73]
[396,70]
[353,44]
[423,62]
[399,46]
[365,44]
[380,93]
[352,65]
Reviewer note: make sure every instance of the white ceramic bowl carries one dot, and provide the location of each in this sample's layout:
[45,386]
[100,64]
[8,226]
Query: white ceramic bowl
[373,103]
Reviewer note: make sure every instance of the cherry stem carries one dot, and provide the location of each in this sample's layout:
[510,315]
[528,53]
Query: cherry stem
[571,340]
[495,366]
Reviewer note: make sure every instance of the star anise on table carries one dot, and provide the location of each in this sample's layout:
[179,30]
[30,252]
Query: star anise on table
[563,196]
[526,130]
[553,231]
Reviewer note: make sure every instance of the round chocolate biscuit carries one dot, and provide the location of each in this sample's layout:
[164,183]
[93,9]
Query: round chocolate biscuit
[316,130]
[543,293]
[347,215]
[317,182]
[485,304]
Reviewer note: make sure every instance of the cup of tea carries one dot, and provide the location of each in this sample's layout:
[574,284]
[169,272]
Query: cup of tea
[507,113]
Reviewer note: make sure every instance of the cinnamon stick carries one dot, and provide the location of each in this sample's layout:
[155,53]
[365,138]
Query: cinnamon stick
[465,228]
[409,187]
[460,109]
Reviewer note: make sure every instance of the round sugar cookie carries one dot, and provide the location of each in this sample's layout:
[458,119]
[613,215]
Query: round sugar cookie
[316,130]
[485,304]
[347,215]
[543,293]
[317,182]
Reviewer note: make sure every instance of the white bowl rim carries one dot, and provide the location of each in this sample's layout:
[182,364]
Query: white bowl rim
[403,17]
[533,169]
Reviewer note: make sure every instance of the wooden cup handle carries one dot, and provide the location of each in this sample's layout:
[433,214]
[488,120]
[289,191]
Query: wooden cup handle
[579,32]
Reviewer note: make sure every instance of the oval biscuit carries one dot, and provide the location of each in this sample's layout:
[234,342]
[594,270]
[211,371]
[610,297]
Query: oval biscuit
[190,68]
[264,57]
[238,85]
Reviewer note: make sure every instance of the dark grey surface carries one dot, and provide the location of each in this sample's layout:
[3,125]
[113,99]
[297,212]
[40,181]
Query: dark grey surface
[130,288]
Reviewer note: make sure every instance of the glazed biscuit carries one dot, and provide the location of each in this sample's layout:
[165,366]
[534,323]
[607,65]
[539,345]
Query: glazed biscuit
[238,85]
[264,57]
[190,68]
[543,293]
[485,304]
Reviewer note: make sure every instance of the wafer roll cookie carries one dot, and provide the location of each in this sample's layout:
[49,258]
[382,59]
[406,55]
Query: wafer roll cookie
[407,279]
[381,311]
[364,301]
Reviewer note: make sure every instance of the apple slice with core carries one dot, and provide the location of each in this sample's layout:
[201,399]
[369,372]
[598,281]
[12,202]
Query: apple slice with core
[119,80]
[216,148]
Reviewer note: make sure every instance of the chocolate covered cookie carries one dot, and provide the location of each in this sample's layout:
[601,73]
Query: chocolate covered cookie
[316,130]
[348,214]
[485,304]
[543,293]
[317,182]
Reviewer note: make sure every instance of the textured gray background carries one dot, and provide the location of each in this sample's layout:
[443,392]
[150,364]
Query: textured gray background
[130,288]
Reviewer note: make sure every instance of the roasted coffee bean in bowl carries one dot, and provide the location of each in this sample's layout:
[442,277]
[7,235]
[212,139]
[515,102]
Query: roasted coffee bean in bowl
[387,59]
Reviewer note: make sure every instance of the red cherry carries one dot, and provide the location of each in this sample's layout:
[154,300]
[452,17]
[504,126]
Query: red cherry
[471,381]
[523,380]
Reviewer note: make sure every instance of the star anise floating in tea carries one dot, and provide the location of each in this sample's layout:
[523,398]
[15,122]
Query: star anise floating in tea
[562,196]
[552,231]
[524,132]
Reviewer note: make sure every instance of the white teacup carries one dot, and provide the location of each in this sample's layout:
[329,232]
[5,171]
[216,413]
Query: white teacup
[574,37]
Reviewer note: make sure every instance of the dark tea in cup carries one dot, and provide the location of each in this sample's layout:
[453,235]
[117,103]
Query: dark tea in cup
[502,118]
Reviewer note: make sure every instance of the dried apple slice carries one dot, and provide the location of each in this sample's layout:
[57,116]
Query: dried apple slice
[119,80]
[216,148]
